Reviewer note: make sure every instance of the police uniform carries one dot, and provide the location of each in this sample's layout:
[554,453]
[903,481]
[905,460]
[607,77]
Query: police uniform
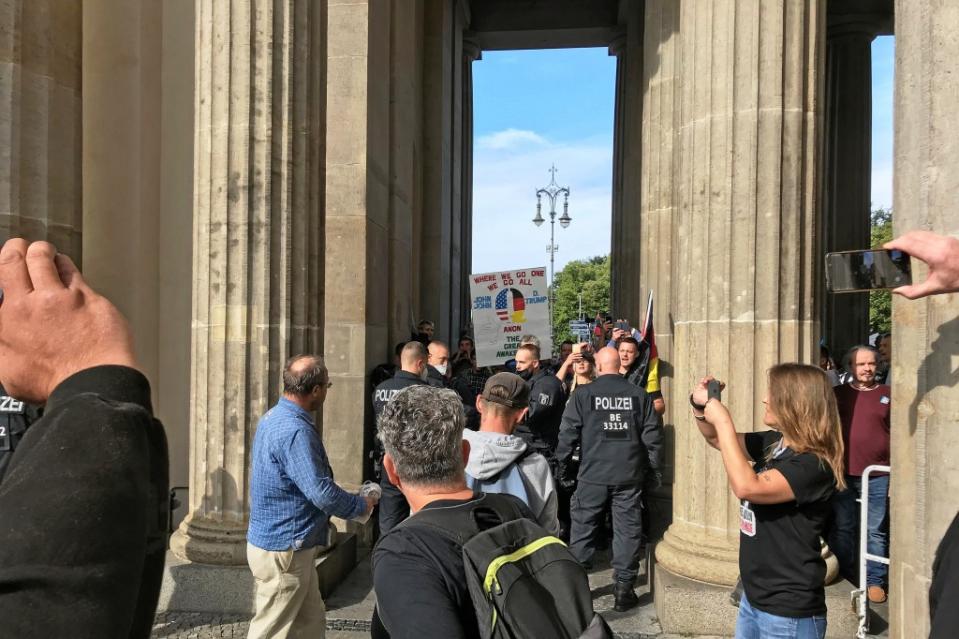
[15,417]
[393,507]
[621,439]
[546,402]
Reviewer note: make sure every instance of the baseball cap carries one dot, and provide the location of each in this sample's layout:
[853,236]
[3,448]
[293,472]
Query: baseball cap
[507,389]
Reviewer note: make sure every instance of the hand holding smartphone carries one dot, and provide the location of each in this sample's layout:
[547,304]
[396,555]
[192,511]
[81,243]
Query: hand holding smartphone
[714,390]
[855,271]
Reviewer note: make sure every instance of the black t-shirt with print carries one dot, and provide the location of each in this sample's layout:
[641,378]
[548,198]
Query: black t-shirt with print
[781,563]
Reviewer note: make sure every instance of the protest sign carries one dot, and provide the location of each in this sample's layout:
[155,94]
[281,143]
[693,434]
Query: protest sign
[507,305]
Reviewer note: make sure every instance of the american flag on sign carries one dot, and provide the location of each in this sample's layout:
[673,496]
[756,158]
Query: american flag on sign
[510,305]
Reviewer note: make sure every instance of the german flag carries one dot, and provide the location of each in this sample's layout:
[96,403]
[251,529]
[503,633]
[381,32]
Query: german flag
[648,355]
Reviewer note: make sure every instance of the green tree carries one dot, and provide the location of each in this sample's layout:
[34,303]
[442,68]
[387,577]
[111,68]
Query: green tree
[587,277]
[880,302]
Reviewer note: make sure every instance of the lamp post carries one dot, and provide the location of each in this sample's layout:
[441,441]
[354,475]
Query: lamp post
[552,191]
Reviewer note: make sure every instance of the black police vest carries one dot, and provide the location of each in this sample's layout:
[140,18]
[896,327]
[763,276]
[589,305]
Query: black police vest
[15,416]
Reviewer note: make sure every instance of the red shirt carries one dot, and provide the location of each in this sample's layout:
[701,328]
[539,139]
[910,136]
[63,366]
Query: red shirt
[865,426]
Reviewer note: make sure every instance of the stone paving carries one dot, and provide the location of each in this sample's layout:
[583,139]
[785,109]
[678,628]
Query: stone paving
[350,608]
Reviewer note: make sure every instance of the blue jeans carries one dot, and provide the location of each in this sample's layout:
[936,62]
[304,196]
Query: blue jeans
[844,536]
[756,624]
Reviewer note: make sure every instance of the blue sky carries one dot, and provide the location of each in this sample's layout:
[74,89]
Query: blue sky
[535,108]
[532,109]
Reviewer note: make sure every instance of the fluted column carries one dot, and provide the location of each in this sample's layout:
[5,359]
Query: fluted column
[658,270]
[40,122]
[925,437]
[257,246]
[847,174]
[746,185]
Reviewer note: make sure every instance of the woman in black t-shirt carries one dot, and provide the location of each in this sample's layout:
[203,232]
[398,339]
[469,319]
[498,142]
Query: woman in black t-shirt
[785,478]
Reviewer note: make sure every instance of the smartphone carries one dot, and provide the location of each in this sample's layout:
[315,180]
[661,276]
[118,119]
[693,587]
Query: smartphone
[713,390]
[854,271]
[623,325]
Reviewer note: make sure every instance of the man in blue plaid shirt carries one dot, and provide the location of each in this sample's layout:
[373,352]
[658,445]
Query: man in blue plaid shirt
[292,496]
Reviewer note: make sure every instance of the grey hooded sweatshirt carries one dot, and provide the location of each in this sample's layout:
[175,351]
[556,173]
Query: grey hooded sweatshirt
[490,453]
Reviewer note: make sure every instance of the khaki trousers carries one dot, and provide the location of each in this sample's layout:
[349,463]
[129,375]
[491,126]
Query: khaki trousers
[288,601]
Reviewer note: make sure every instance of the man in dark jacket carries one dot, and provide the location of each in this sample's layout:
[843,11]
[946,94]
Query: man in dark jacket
[393,506]
[621,439]
[546,401]
[83,554]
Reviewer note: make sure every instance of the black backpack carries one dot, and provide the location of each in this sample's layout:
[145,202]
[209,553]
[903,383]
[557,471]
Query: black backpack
[523,582]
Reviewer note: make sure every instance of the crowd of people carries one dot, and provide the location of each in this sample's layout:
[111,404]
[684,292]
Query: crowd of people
[555,444]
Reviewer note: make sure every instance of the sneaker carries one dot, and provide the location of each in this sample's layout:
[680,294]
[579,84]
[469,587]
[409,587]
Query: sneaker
[624,597]
[876,594]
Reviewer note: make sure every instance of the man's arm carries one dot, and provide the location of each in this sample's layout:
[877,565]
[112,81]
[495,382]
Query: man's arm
[304,466]
[84,503]
[84,500]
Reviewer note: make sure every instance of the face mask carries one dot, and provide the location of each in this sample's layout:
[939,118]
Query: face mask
[424,374]
[442,368]
[526,375]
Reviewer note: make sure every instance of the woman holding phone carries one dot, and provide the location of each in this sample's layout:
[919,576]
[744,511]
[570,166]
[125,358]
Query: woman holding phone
[784,478]
[578,369]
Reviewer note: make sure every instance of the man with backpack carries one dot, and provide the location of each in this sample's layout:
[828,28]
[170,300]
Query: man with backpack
[465,564]
[501,462]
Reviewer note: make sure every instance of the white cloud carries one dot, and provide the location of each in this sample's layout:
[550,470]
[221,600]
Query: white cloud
[509,139]
[881,195]
[504,203]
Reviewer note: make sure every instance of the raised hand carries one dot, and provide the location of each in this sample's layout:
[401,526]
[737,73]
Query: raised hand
[939,252]
[52,324]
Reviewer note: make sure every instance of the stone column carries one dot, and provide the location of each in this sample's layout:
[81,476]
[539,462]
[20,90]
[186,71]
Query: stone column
[620,275]
[40,122]
[435,247]
[626,297]
[658,210]
[925,437]
[257,250]
[746,119]
[847,171]
[121,164]
[405,100]
[358,251]
[471,53]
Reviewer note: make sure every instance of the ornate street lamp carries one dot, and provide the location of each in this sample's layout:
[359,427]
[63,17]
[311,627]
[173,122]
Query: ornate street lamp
[552,191]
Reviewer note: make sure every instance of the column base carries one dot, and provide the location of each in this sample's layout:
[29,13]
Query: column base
[207,541]
[689,553]
[689,607]
[231,590]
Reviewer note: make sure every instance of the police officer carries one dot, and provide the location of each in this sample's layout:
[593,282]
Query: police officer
[546,401]
[393,505]
[15,417]
[439,374]
[621,438]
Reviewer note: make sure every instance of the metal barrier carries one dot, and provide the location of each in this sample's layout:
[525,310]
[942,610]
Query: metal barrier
[860,597]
